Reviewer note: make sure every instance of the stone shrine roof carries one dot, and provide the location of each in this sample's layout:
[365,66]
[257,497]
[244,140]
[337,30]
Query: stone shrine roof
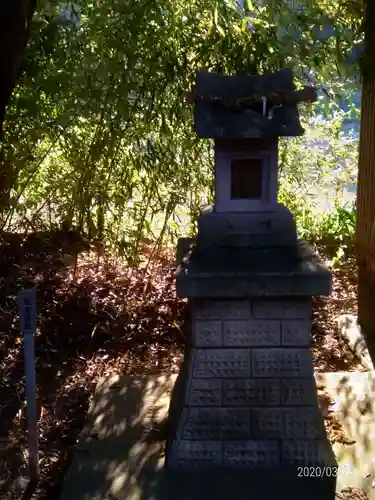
[234,106]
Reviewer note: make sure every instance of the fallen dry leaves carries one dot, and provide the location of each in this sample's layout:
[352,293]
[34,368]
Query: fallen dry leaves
[330,351]
[98,319]
[352,493]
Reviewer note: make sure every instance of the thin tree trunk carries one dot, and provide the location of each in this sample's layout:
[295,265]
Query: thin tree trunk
[365,231]
[15,17]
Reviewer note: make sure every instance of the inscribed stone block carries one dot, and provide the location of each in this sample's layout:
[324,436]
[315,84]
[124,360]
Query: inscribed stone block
[248,454]
[298,392]
[235,423]
[287,423]
[251,333]
[201,424]
[217,363]
[283,362]
[267,423]
[307,452]
[251,392]
[204,393]
[196,454]
[221,309]
[205,424]
[293,309]
[303,423]
[207,333]
[295,332]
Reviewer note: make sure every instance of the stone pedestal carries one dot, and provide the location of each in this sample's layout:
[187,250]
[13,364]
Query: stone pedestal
[246,396]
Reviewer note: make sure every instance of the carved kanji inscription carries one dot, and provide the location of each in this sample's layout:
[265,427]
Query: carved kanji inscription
[249,454]
[251,333]
[204,392]
[251,392]
[295,332]
[197,454]
[222,309]
[286,362]
[221,363]
[207,334]
[282,309]
[298,392]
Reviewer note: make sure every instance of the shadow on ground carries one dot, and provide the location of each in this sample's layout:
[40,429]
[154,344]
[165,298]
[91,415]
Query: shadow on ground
[123,439]
[121,454]
[93,319]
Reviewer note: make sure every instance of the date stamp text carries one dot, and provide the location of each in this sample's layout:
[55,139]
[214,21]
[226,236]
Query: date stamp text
[323,471]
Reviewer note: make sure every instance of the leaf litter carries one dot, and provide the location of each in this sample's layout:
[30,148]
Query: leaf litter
[101,318]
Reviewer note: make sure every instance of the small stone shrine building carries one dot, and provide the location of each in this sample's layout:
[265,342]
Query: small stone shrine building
[246,396]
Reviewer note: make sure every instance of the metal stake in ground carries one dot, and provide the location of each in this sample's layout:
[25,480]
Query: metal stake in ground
[27,310]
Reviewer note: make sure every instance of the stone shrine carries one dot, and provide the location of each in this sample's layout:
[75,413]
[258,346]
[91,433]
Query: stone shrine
[246,397]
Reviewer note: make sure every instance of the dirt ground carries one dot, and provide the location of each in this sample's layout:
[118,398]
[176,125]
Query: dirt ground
[98,317]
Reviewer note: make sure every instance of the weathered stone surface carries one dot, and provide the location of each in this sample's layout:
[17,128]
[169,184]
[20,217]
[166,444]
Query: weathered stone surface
[293,309]
[207,333]
[233,454]
[251,333]
[235,272]
[268,229]
[221,309]
[201,424]
[251,392]
[215,423]
[253,351]
[203,392]
[221,363]
[307,452]
[298,392]
[258,285]
[249,454]
[197,454]
[287,423]
[267,423]
[283,362]
[235,423]
[295,332]
[304,423]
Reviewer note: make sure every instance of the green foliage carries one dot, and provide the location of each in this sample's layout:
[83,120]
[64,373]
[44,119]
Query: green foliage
[336,232]
[314,182]
[339,225]
[97,133]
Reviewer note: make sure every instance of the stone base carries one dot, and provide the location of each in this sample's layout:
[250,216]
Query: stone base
[272,484]
[120,455]
[246,396]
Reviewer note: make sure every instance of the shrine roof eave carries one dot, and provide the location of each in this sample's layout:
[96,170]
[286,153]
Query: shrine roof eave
[231,106]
